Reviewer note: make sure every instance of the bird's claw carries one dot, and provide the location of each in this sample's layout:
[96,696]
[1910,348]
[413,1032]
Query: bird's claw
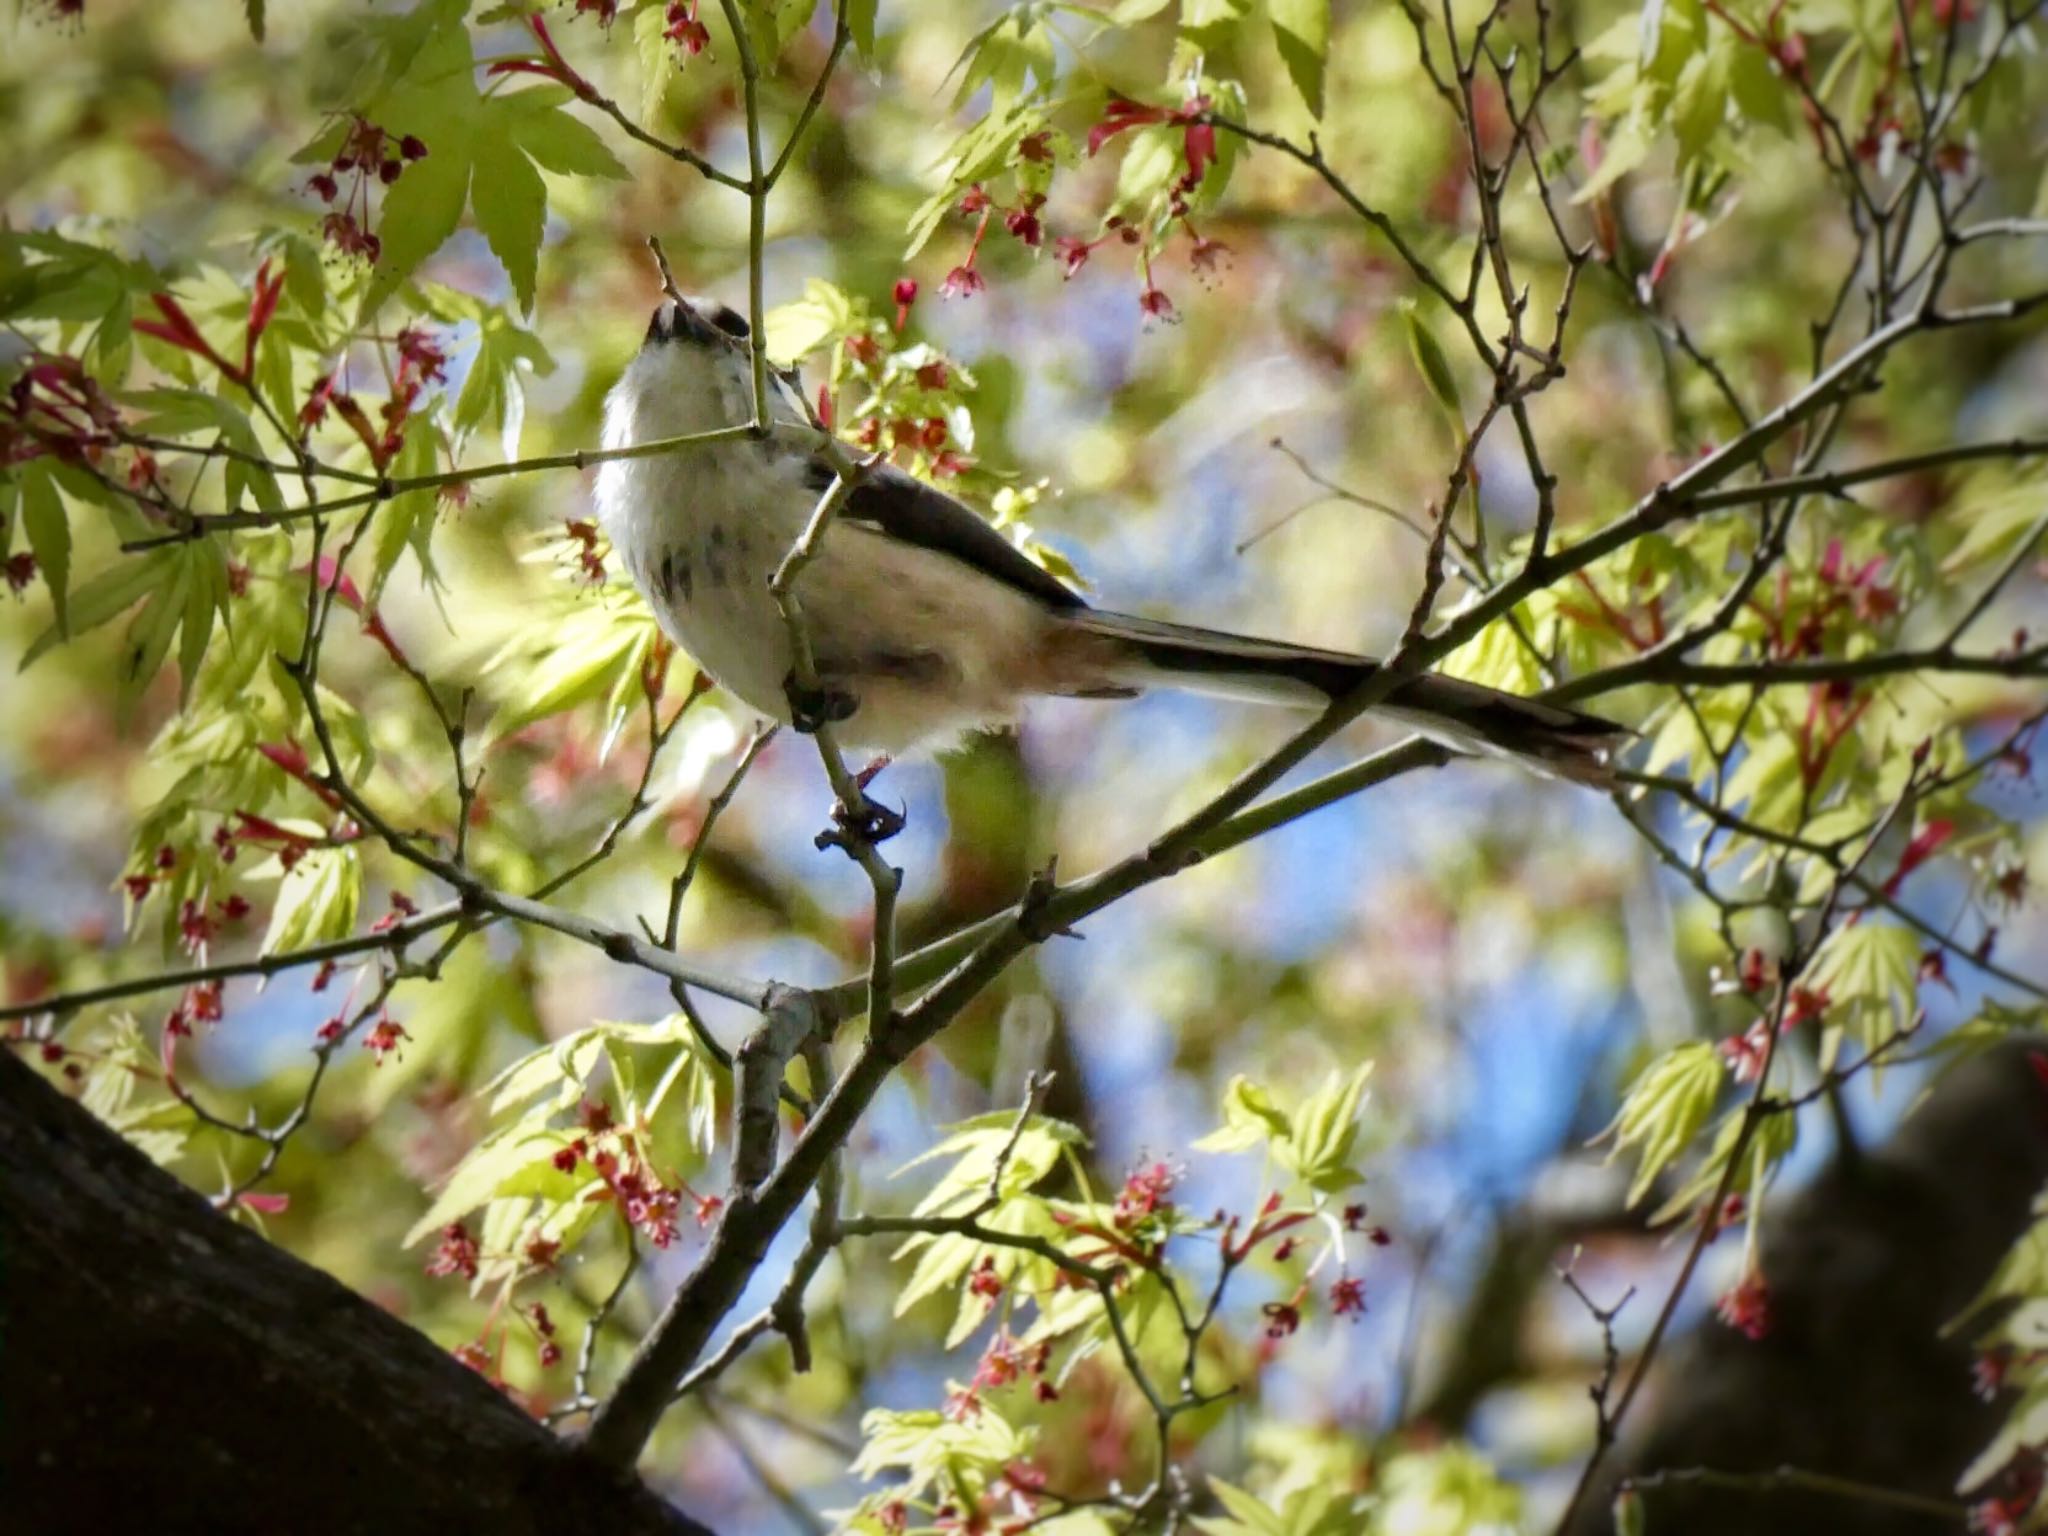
[810,708]
[864,824]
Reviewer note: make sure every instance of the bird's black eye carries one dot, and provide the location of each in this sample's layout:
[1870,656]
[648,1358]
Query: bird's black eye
[730,321]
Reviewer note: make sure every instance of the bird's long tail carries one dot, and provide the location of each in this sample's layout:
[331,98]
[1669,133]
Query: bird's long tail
[1468,717]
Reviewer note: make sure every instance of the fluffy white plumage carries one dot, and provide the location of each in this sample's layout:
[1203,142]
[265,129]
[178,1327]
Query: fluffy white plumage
[922,619]
[703,530]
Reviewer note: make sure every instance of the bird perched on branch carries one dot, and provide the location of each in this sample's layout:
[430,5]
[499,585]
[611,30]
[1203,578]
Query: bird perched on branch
[924,622]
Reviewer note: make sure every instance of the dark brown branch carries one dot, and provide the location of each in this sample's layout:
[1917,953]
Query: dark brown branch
[1836,482]
[1799,673]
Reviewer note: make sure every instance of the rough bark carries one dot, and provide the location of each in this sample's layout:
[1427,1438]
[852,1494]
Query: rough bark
[165,1369]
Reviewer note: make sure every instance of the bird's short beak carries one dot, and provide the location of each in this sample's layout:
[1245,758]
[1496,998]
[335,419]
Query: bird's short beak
[673,320]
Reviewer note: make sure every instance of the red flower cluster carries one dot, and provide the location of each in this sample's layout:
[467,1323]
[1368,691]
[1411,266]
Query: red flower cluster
[203,1003]
[904,424]
[458,1253]
[544,1329]
[682,28]
[648,1204]
[589,559]
[1747,1308]
[983,1281]
[384,1038]
[1805,1004]
[1005,1362]
[1744,1053]
[1198,149]
[422,360]
[1144,1194]
[402,907]
[965,280]
[1024,221]
[1354,1221]
[642,1197]
[368,155]
[2006,1512]
[197,926]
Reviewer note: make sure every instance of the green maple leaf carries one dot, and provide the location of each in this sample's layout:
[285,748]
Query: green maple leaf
[484,154]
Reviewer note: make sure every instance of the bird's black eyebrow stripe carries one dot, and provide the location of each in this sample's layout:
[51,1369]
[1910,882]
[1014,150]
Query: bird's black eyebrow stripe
[908,509]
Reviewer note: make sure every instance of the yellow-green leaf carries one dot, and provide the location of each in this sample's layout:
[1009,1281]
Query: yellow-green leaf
[1325,1131]
[1434,367]
[482,1176]
[1250,1117]
[1301,28]
[317,900]
[1665,1107]
[49,537]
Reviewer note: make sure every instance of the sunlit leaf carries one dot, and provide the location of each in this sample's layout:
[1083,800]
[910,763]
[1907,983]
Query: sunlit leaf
[49,537]
[1665,1108]
[1301,28]
[317,900]
[491,1169]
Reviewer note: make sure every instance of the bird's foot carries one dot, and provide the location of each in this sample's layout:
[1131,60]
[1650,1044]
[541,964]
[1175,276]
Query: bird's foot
[862,824]
[810,708]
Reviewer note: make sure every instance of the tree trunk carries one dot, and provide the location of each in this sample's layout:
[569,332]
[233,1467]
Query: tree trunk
[165,1369]
[1855,1378]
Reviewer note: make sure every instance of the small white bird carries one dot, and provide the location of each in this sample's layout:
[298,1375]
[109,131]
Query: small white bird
[926,623]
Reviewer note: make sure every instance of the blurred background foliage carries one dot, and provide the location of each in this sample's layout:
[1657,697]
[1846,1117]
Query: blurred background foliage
[1225,421]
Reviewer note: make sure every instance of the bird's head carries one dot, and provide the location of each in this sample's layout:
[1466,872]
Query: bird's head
[697,322]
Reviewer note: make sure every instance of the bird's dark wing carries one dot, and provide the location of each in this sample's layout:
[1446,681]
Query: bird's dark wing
[906,508]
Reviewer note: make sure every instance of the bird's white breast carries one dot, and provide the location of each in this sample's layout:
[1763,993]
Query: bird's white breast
[701,530]
[929,646]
